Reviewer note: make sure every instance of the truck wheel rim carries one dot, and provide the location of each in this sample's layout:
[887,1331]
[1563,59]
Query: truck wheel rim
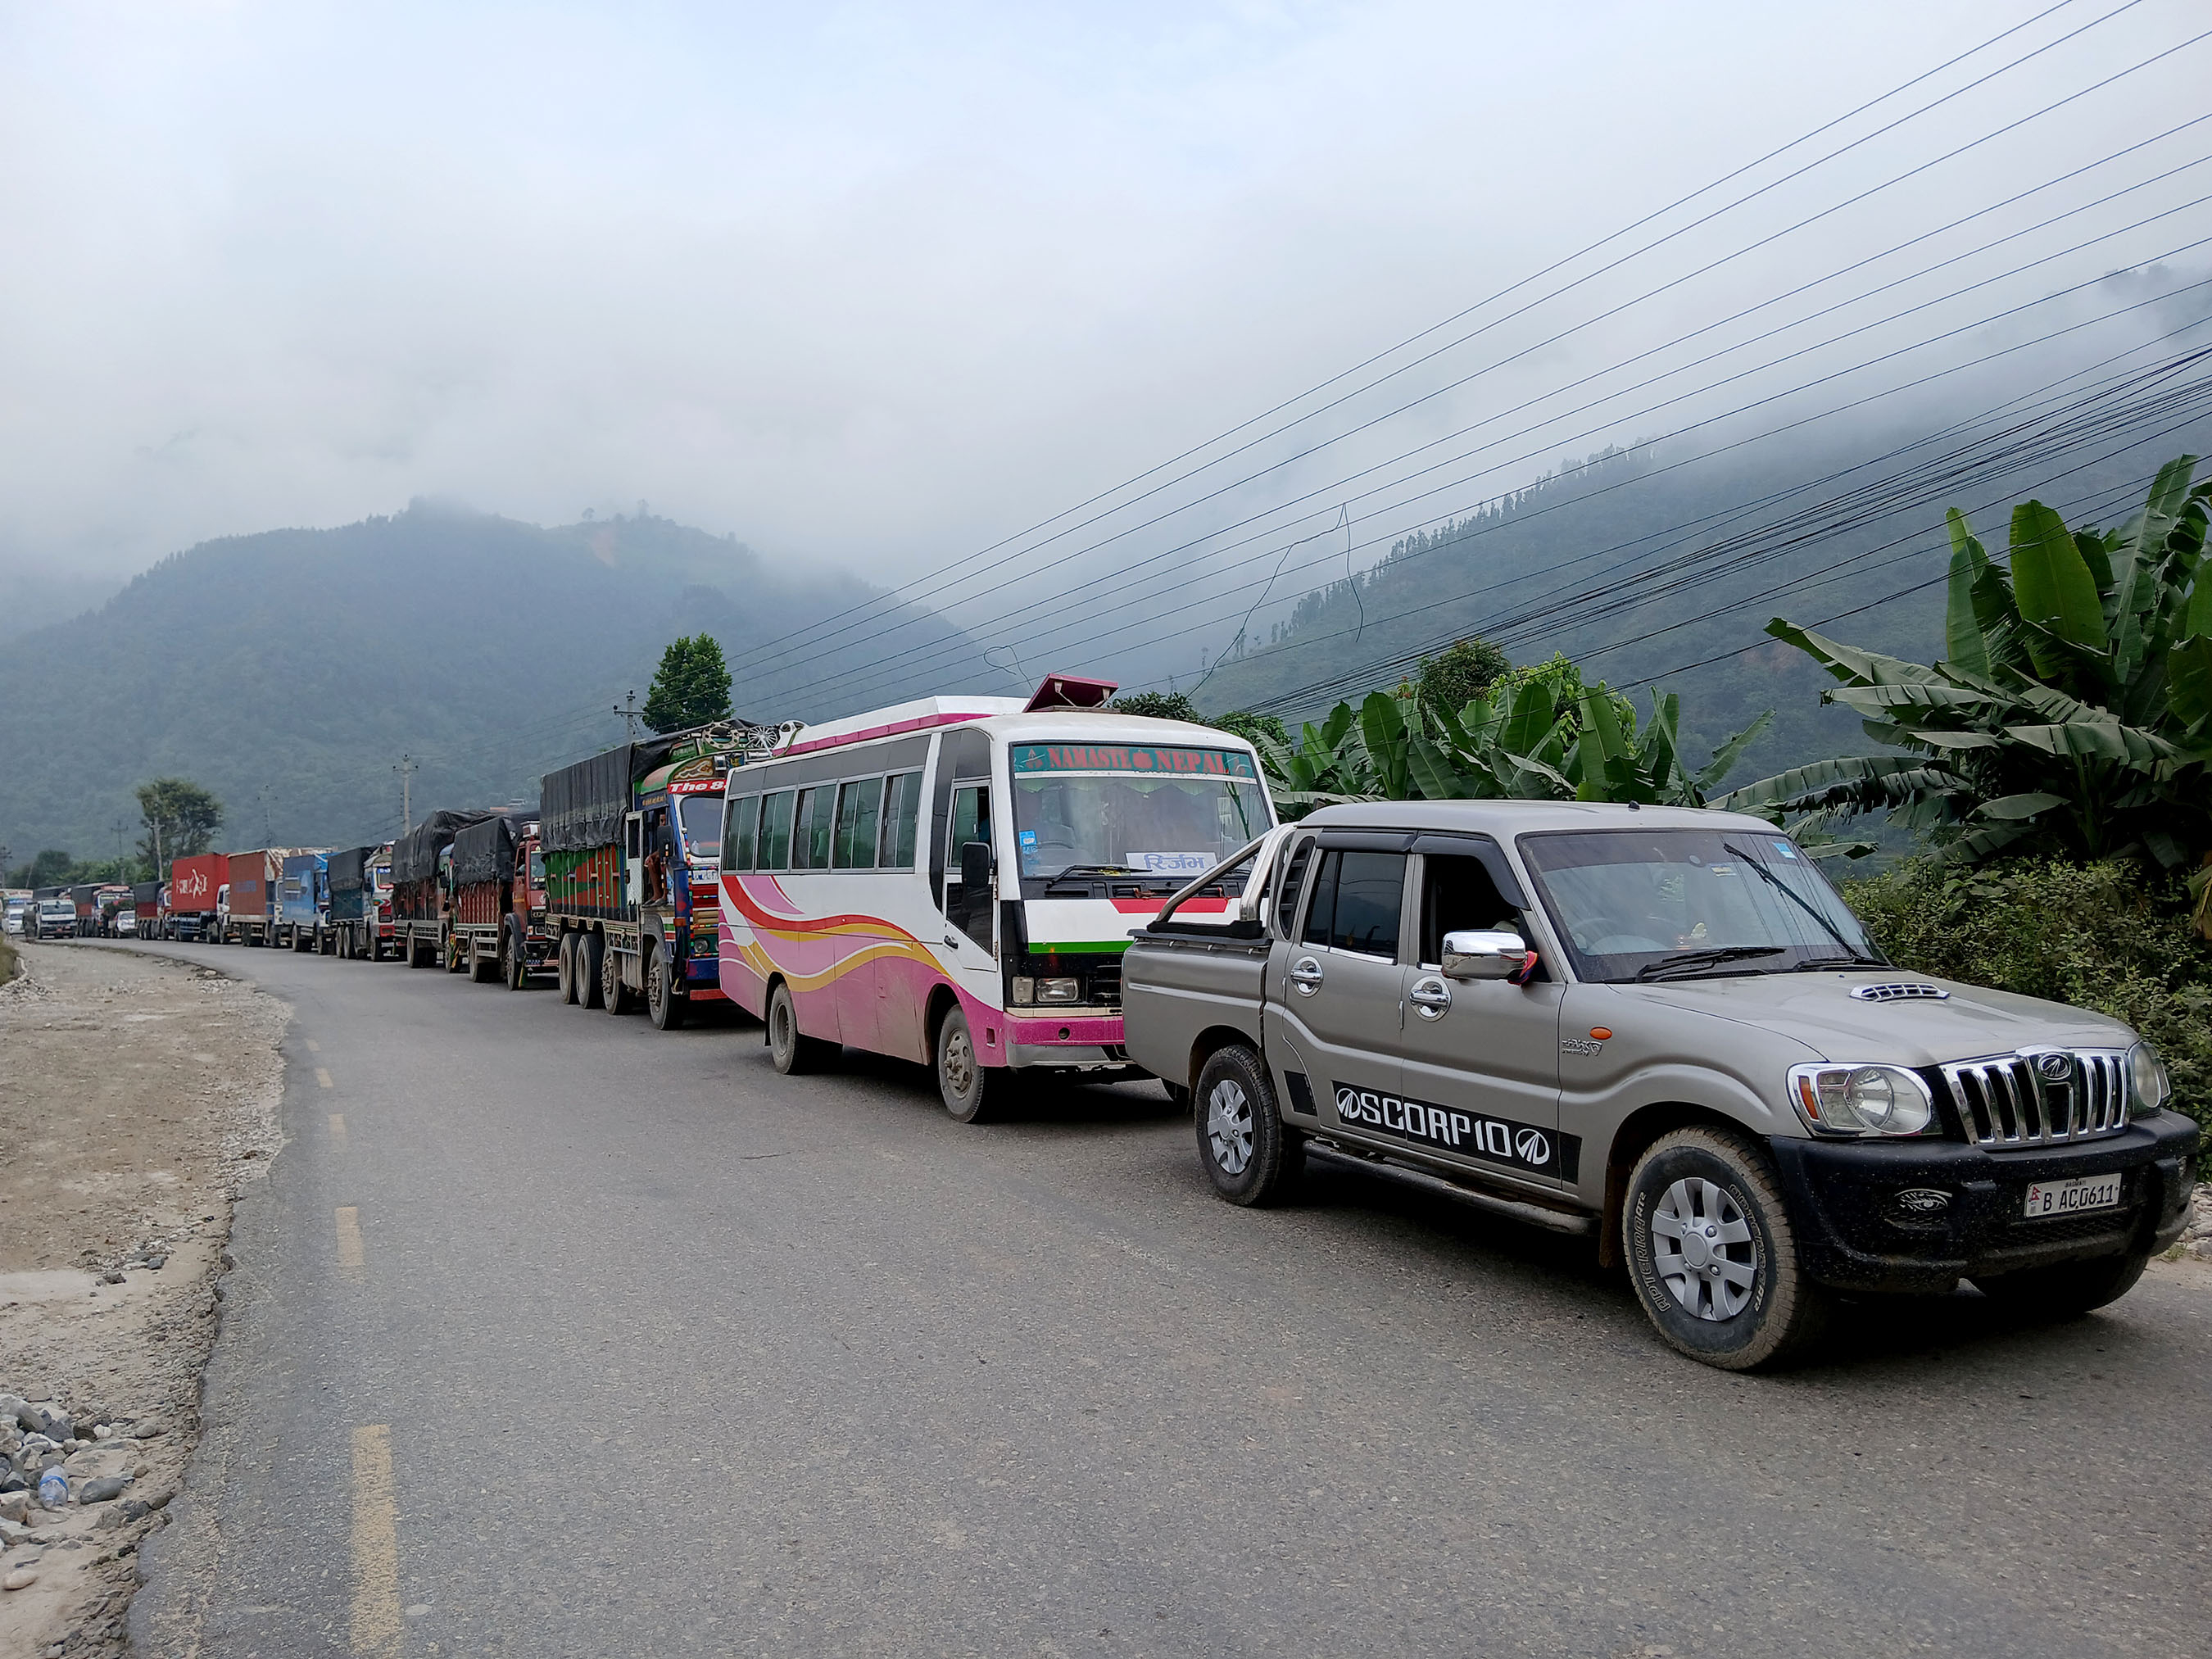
[1228,1127]
[959,1062]
[1704,1250]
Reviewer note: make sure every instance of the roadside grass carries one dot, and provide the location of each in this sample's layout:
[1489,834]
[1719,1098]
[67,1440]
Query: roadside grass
[9,965]
[2105,935]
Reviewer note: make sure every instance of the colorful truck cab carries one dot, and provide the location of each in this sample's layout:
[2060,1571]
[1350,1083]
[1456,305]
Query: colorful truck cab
[303,901]
[953,881]
[630,839]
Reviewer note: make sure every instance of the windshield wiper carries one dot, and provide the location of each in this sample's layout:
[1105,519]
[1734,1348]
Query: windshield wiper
[1854,960]
[1690,959]
[1102,870]
[1759,869]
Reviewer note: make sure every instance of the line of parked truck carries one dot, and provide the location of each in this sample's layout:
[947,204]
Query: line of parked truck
[1660,1027]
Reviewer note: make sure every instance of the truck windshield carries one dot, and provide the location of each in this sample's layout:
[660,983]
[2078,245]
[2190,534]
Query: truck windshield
[701,817]
[1668,903]
[1171,826]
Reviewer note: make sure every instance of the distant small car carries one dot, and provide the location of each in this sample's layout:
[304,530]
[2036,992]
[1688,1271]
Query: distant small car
[13,920]
[126,924]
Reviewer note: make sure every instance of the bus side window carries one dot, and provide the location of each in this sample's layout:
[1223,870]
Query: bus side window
[859,807]
[902,813]
[774,845]
[738,833]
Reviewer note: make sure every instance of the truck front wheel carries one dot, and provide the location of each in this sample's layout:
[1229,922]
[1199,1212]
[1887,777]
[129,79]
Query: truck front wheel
[1250,1155]
[1711,1252]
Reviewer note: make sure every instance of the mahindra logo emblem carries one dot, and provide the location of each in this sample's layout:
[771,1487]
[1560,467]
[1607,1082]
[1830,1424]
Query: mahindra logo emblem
[2055,1068]
[1531,1148]
[1924,1200]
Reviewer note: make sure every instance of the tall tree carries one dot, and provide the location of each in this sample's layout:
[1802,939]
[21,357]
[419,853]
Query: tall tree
[690,688]
[180,819]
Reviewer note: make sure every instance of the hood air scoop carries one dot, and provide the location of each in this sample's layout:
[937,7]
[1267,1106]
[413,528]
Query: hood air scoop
[1897,991]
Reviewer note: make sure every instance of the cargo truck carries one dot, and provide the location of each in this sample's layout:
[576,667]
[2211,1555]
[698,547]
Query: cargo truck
[303,901]
[194,882]
[111,901]
[632,838]
[146,908]
[421,889]
[85,895]
[361,926]
[498,883]
[250,918]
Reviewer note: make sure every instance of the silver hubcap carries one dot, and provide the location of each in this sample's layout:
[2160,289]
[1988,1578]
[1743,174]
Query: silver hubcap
[1228,1127]
[1704,1250]
[959,1063]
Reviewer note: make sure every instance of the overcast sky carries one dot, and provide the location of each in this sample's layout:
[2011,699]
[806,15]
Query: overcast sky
[870,283]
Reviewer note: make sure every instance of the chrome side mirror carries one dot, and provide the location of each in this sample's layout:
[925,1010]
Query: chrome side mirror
[1481,953]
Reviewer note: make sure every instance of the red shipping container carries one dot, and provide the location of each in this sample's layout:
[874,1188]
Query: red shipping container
[193,881]
[253,877]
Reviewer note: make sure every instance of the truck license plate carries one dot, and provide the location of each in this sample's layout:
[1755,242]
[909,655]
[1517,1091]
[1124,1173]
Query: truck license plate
[2074,1197]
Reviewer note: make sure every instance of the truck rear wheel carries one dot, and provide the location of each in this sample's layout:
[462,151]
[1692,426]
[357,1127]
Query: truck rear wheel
[1711,1252]
[591,958]
[565,968]
[615,994]
[1250,1155]
[483,965]
[791,1053]
[420,955]
[662,1006]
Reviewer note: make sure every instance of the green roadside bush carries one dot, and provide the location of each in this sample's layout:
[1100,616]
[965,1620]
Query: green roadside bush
[2105,935]
[7,961]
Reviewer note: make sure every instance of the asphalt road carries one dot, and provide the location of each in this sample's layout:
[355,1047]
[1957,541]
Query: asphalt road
[651,1351]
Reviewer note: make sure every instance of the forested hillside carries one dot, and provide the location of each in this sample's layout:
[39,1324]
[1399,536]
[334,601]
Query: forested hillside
[289,672]
[1637,568]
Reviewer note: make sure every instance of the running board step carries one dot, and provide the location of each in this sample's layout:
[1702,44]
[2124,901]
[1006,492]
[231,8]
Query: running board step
[1536,1215]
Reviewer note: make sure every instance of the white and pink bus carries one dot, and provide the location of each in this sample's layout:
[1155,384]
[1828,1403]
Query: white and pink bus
[953,881]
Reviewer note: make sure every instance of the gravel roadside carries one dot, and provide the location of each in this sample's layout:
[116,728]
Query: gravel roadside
[136,1097]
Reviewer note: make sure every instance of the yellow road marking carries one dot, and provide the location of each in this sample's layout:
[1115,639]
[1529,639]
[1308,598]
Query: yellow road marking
[375,1543]
[338,1126]
[349,1236]
[322,1077]
[313,1047]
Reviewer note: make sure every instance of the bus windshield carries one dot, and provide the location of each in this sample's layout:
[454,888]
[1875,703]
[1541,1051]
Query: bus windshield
[1151,825]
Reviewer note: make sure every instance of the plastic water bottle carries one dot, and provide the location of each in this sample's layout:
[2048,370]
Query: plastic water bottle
[54,1488]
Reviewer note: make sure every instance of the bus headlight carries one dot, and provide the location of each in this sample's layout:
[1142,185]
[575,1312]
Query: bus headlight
[1861,1100]
[2153,1088]
[1060,990]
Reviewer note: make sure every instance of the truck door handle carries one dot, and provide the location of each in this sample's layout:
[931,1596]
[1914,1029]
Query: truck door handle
[1305,973]
[1431,996]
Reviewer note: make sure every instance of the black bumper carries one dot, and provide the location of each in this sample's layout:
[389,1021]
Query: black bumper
[1856,1231]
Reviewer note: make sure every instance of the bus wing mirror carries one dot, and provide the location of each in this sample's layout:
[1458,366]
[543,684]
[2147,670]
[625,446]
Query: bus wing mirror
[975,866]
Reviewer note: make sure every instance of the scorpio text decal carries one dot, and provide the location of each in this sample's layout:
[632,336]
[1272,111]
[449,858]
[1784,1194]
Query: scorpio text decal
[1471,1134]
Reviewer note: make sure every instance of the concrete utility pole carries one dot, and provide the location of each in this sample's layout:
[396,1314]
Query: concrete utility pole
[119,849]
[406,770]
[628,709]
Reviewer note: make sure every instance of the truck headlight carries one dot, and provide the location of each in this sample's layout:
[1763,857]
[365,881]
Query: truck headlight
[1861,1100]
[2152,1088]
[1060,990]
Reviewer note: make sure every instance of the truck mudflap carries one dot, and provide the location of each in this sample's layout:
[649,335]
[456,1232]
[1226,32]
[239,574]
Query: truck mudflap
[1920,1215]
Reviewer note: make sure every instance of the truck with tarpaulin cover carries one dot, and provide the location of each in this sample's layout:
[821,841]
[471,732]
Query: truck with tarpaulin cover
[194,881]
[498,877]
[632,839]
[146,908]
[421,889]
[85,895]
[361,926]
[303,901]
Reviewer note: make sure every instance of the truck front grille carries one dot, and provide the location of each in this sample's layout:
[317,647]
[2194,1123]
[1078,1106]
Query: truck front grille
[2047,1098]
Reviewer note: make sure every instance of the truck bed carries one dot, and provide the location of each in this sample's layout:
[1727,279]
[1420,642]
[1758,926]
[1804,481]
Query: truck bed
[1179,983]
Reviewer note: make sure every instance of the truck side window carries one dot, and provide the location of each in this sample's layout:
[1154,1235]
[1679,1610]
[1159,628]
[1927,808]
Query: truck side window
[1457,894]
[1357,899]
[1286,894]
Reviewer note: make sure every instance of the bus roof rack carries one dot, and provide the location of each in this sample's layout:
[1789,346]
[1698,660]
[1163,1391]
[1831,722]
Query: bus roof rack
[1071,691]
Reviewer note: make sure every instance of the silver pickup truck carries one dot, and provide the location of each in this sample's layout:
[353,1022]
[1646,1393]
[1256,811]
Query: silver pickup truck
[1665,1027]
